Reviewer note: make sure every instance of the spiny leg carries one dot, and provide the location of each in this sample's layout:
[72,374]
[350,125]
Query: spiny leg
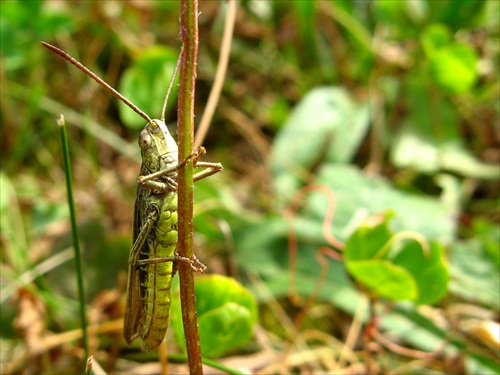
[209,169]
[195,155]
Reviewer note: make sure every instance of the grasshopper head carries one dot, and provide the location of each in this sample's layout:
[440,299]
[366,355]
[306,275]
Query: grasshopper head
[158,147]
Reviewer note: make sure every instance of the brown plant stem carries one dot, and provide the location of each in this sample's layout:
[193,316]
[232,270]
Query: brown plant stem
[213,98]
[189,38]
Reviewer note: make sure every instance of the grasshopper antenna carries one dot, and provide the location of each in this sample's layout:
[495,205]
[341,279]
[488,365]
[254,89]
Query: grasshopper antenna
[99,80]
[170,87]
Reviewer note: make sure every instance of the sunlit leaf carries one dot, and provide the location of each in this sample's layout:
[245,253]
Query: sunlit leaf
[454,68]
[385,279]
[474,273]
[435,37]
[396,269]
[327,125]
[427,267]
[145,84]
[226,314]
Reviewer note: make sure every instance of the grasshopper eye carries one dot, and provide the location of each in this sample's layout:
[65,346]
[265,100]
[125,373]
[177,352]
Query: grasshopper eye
[144,140]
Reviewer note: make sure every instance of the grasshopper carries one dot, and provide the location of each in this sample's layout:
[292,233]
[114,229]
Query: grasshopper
[151,260]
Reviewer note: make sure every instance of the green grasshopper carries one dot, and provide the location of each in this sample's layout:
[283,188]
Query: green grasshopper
[151,260]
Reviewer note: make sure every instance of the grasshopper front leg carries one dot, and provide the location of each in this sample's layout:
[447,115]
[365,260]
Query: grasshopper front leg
[209,169]
[146,180]
[149,182]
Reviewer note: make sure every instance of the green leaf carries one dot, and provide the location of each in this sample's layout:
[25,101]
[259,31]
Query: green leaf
[384,278]
[225,329]
[455,158]
[367,241]
[474,273]
[435,37]
[327,125]
[15,243]
[489,234]
[428,269]
[429,139]
[215,290]
[391,13]
[226,311]
[420,151]
[454,68]
[145,83]
[304,14]
[263,245]
[22,25]
[51,23]
[412,273]
[358,196]
[457,14]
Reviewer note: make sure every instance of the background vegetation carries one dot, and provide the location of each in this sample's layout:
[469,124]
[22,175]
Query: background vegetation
[359,200]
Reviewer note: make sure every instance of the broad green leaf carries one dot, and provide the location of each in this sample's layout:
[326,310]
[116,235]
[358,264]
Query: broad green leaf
[489,234]
[454,68]
[262,246]
[145,83]
[374,242]
[456,14]
[428,269]
[420,151]
[435,37]
[225,329]
[474,273]
[226,313]
[358,196]
[368,240]
[455,158]
[22,25]
[263,249]
[51,22]
[384,278]
[489,18]
[429,145]
[327,125]
[394,14]
[215,290]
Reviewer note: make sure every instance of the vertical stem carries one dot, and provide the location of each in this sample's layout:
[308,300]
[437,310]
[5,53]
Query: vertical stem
[74,231]
[214,96]
[185,114]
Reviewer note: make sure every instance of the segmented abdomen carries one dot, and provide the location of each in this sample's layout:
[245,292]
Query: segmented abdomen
[156,279]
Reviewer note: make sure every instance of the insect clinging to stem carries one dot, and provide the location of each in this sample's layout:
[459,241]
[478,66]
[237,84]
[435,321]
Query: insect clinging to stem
[153,253]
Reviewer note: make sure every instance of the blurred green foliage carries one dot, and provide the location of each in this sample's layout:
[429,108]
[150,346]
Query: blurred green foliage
[227,313]
[150,71]
[397,267]
[392,106]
